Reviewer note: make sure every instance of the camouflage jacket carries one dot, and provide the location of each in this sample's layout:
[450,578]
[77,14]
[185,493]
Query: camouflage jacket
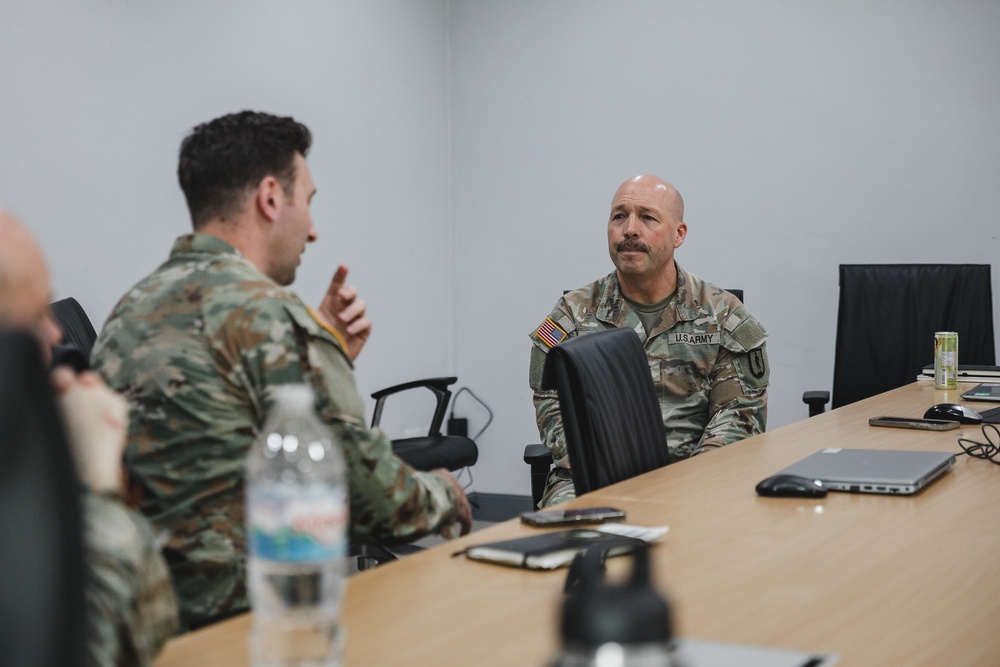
[707,357]
[129,599]
[193,348]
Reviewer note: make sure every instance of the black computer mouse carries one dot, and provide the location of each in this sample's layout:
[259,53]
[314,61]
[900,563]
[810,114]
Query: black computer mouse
[953,412]
[791,486]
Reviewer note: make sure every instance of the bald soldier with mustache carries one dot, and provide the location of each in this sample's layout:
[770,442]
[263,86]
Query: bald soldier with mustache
[706,352]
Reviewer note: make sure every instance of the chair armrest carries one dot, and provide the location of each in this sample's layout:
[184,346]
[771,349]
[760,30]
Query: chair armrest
[537,454]
[816,400]
[437,386]
[440,384]
[540,459]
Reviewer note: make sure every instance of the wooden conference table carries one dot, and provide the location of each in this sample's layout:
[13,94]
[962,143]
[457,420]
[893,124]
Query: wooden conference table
[878,580]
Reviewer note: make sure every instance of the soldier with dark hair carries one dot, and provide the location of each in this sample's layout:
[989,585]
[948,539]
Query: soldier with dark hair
[706,352]
[223,160]
[196,345]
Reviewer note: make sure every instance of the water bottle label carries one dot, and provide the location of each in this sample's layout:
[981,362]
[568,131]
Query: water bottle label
[297,528]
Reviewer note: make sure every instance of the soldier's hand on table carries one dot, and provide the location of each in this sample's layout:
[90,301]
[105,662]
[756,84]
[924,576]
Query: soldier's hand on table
[344,311]
[464,517]
[96,420]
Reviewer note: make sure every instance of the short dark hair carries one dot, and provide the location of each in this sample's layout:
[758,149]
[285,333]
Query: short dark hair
[223,160]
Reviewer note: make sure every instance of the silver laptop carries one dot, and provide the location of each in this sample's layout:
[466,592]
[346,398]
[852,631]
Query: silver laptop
[873,470]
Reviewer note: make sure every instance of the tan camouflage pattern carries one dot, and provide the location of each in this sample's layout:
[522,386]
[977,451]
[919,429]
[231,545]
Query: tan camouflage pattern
[707,357]
[130,602]
[194,348]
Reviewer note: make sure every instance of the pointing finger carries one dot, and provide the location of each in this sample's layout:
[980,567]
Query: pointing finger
[339,278]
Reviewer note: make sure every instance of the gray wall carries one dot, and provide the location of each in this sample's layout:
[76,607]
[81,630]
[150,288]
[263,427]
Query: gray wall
[466,154]
[97,96]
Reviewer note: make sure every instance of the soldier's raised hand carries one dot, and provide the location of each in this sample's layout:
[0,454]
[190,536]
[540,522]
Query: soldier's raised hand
[342,310]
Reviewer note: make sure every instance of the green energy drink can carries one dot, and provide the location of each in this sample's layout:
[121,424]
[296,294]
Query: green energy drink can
[945,360]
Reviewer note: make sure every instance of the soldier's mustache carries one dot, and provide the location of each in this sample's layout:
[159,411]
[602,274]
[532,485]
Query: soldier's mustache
[631,244]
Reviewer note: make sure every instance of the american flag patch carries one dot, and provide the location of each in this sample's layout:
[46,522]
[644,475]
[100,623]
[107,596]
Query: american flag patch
[550,333]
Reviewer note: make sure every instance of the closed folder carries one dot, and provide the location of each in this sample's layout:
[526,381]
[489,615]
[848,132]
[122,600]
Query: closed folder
[966,373]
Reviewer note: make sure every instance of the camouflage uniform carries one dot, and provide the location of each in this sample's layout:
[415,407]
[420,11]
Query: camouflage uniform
[129,599]
[193,348]
[706,354]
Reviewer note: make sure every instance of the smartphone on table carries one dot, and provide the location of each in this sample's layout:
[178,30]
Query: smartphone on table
[572,517]
[908,422]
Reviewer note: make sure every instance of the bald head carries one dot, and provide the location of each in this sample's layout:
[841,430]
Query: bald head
[658,188]
[25,289]
[646,225]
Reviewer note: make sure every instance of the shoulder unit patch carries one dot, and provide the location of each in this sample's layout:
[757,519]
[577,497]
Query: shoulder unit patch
[550,333]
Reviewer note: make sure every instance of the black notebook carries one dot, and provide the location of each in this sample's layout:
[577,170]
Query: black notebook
[548,551]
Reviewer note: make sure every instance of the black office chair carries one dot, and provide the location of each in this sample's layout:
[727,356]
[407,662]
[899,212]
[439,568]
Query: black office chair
[41,544]
[434,450]
[78,335]
[886,322]
[610,413]
[427,452]
[539,459]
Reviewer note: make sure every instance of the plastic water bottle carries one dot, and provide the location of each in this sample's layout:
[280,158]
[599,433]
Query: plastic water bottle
[296,522]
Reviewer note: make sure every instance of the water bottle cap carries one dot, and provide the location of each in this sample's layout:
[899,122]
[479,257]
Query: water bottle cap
[295,396]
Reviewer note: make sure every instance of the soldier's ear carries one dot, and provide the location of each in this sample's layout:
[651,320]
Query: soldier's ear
[680,234]
[269,198]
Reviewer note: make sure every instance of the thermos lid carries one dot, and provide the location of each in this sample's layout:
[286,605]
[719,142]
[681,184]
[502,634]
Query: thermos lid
[597,612]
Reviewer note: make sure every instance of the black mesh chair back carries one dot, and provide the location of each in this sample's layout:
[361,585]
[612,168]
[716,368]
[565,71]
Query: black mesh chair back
[78,334]
[887,319]
[610,414]
[41,552]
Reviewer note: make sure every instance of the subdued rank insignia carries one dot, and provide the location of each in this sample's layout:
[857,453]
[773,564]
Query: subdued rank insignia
[757,364]
[550,333]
